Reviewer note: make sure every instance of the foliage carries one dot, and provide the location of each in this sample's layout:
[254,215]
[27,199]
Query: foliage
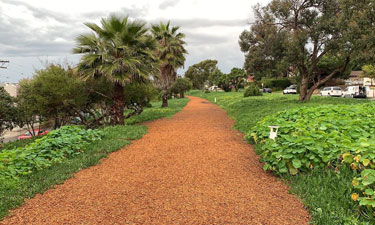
[181,86]
[156,112]
[276,83]
[56,94]
[362,161]
[7,111]
[29,112]
[119,51]
[369,70]
[113,139]
[200,72]
[44,152]
[252,90]
[171,53]
[296,35]
[326,193]
[215,76]
[314,137]
[237,77]
[137,96]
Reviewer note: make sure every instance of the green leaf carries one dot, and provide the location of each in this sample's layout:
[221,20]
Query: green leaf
[369,192]
[366,162]
[296,163]
[348,158]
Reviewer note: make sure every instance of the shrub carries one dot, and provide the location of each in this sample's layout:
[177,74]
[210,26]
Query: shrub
[315,137]
[57,145]
[276,83]
[252,90]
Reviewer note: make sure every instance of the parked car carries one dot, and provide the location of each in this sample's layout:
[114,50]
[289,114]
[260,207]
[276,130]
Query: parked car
[331,91]
[28,134]
[354,92]
[267,90]
[290,90]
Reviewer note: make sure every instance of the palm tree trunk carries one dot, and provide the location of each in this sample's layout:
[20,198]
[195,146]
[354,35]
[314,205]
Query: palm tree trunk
[164,98]
[119,105]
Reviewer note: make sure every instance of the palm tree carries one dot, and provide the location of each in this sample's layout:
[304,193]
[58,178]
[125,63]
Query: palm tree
[120,50]
[171,55]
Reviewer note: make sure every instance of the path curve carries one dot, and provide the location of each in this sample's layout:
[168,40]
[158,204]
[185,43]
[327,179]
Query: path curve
[190,169]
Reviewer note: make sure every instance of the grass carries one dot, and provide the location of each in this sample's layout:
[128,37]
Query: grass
[115,138]
[155,112]
[18,143]
[325,192]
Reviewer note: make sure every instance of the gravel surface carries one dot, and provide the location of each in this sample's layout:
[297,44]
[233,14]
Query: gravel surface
[189,169]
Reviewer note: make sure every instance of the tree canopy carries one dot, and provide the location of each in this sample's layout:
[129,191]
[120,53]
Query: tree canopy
[120,50]
[298,34]
[171,54]
[7,111]
[200,72]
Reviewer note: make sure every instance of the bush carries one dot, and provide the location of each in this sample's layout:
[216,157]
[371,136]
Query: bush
[252,90]
[57,145]
[315,137]
[276,83]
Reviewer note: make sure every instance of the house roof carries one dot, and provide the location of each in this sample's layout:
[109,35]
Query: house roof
[357,73]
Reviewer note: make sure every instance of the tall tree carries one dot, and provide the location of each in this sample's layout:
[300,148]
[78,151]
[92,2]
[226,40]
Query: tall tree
[306,31]
[180,86]
[237,77]
[171,54]
[120,50]
[199,73]
[7,111]
[215,76]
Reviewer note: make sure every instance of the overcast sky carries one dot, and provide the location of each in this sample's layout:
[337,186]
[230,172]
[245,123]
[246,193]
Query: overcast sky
[33,32]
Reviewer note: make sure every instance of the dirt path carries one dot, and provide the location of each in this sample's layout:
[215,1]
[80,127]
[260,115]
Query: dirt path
[191,169]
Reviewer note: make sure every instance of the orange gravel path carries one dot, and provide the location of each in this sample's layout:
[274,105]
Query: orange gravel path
[190,169]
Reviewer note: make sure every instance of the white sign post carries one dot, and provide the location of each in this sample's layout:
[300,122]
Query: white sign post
[273,132]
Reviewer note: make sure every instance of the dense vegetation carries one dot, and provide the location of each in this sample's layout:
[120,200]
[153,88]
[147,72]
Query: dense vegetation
[53,148]
[315,40]
[252,90]
[326,191]
[68,151]
[314,137]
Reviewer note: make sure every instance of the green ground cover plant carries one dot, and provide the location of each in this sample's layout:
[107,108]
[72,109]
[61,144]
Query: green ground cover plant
[315,137]
[326,192]
[113,138]
[66,142]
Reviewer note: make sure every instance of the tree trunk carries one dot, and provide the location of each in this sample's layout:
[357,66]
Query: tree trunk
[182,94]
[303,88]
[119,105]
[164,98]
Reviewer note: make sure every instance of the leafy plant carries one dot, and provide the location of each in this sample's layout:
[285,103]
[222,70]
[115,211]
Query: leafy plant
[44,152]
[315,137]
[252,90]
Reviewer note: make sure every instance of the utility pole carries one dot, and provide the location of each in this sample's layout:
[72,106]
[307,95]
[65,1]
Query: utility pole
[2,64]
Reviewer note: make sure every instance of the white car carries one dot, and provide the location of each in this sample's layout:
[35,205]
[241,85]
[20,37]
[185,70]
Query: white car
[290,90]
[331,91]
[354,92]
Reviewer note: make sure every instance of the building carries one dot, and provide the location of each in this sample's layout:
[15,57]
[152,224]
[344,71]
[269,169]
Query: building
[358,78]
[10,88]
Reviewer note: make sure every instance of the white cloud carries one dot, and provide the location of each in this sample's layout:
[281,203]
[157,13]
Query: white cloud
[36,29]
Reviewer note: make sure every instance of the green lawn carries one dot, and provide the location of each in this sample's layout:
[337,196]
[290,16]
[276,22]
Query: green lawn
[114,139]
[324,192]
